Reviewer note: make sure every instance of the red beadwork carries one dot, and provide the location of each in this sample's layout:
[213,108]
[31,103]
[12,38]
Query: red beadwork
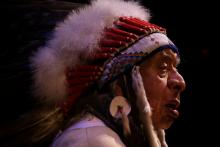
[150,25]
[74,81]
[85,68]
[98,56]
[132,28]
[108,49]
[118,37]
[123,33]
[112,43]
[72,90]
[131,21]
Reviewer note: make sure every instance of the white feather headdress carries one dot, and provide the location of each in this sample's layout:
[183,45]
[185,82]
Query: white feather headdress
[78,34]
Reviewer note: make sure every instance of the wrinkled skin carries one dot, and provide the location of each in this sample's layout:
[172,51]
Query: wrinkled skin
[163,85]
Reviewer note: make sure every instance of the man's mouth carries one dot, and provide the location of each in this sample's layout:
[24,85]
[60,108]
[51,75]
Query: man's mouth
[172,108]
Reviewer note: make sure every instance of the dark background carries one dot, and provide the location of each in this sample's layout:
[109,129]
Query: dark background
[25,25]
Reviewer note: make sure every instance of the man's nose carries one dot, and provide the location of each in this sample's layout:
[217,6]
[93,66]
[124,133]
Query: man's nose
[176,81]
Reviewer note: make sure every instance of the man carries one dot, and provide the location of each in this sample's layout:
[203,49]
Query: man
[109,78]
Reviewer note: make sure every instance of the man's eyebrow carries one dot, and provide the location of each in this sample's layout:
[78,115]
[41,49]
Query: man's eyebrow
[170,58]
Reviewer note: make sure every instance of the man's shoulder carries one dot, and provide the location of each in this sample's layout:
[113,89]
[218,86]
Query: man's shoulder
[89,137]
[103,136]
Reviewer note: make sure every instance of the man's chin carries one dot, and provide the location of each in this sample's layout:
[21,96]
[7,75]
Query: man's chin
[165,125]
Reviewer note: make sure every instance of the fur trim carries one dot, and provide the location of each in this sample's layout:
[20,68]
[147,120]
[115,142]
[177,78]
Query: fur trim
[74,38]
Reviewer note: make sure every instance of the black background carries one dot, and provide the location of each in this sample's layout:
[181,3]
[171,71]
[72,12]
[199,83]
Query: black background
[190,26]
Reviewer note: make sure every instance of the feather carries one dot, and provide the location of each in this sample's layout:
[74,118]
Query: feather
[74,39]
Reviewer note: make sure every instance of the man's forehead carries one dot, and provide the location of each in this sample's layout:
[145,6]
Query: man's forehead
[165,55]
[169,55]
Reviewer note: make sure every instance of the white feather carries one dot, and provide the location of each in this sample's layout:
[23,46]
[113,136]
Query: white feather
[76,37]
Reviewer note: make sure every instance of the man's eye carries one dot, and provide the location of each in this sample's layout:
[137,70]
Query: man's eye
[163,69]
[163,66]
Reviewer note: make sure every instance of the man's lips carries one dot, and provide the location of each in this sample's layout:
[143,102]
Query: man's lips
[173,113]
[172,108]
